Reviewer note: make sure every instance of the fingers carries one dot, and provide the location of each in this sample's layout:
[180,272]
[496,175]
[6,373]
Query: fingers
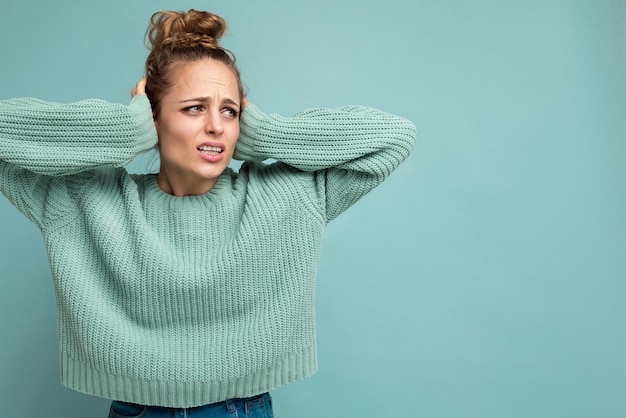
[140,88]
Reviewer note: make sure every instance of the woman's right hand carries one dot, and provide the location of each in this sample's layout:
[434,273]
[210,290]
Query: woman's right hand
[140,88]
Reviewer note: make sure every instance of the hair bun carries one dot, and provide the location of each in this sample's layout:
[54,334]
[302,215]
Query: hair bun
[190,28]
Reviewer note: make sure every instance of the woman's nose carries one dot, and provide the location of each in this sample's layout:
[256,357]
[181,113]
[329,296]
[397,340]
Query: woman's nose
[213,123]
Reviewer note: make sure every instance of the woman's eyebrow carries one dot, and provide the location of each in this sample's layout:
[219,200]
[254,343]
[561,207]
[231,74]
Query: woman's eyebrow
[195,99]
[226,100]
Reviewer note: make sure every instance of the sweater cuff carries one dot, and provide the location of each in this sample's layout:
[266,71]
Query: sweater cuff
[145,135]
[251,119]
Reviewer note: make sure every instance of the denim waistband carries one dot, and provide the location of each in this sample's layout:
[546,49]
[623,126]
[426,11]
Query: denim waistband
[259,406]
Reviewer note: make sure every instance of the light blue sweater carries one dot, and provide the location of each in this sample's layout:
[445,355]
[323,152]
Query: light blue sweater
[183,301]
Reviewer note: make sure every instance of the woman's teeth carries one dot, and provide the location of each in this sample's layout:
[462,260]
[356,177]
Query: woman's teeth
[210,150]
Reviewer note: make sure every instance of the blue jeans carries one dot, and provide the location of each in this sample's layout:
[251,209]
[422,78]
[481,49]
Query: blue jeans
[255,407]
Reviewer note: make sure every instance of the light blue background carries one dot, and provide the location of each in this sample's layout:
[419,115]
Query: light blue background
[485,278]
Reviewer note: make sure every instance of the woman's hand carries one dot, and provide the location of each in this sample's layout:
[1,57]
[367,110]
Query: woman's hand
[140,88]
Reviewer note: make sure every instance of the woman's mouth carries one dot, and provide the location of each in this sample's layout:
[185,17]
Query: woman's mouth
[210,150]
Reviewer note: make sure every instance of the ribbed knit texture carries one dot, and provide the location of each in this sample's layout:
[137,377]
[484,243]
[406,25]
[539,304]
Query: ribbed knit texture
[183,301]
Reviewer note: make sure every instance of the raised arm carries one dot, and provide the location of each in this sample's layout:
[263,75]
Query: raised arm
[353,148]
[58,139]
[41,141]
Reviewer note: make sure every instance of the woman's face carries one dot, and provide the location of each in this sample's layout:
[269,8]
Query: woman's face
[198,127]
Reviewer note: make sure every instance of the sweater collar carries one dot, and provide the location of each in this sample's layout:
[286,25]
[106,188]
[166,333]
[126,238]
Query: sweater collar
[153,192]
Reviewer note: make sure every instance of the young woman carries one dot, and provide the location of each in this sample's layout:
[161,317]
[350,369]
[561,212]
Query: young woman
[190,290]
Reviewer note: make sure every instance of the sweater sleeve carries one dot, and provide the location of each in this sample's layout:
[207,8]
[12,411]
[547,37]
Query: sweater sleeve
[42,141]
[59,139]
[352,148]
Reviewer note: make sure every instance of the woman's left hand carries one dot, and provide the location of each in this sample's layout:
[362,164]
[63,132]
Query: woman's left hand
[140,88]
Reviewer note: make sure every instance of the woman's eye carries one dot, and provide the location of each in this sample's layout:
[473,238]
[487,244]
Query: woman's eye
[193,109]
[229,111]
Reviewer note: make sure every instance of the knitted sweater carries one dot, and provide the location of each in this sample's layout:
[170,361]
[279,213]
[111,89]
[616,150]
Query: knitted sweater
[183,301]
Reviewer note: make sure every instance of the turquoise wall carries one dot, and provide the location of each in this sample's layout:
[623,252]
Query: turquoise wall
[485,278]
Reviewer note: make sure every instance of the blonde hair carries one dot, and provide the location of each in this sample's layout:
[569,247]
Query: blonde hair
[176,38]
